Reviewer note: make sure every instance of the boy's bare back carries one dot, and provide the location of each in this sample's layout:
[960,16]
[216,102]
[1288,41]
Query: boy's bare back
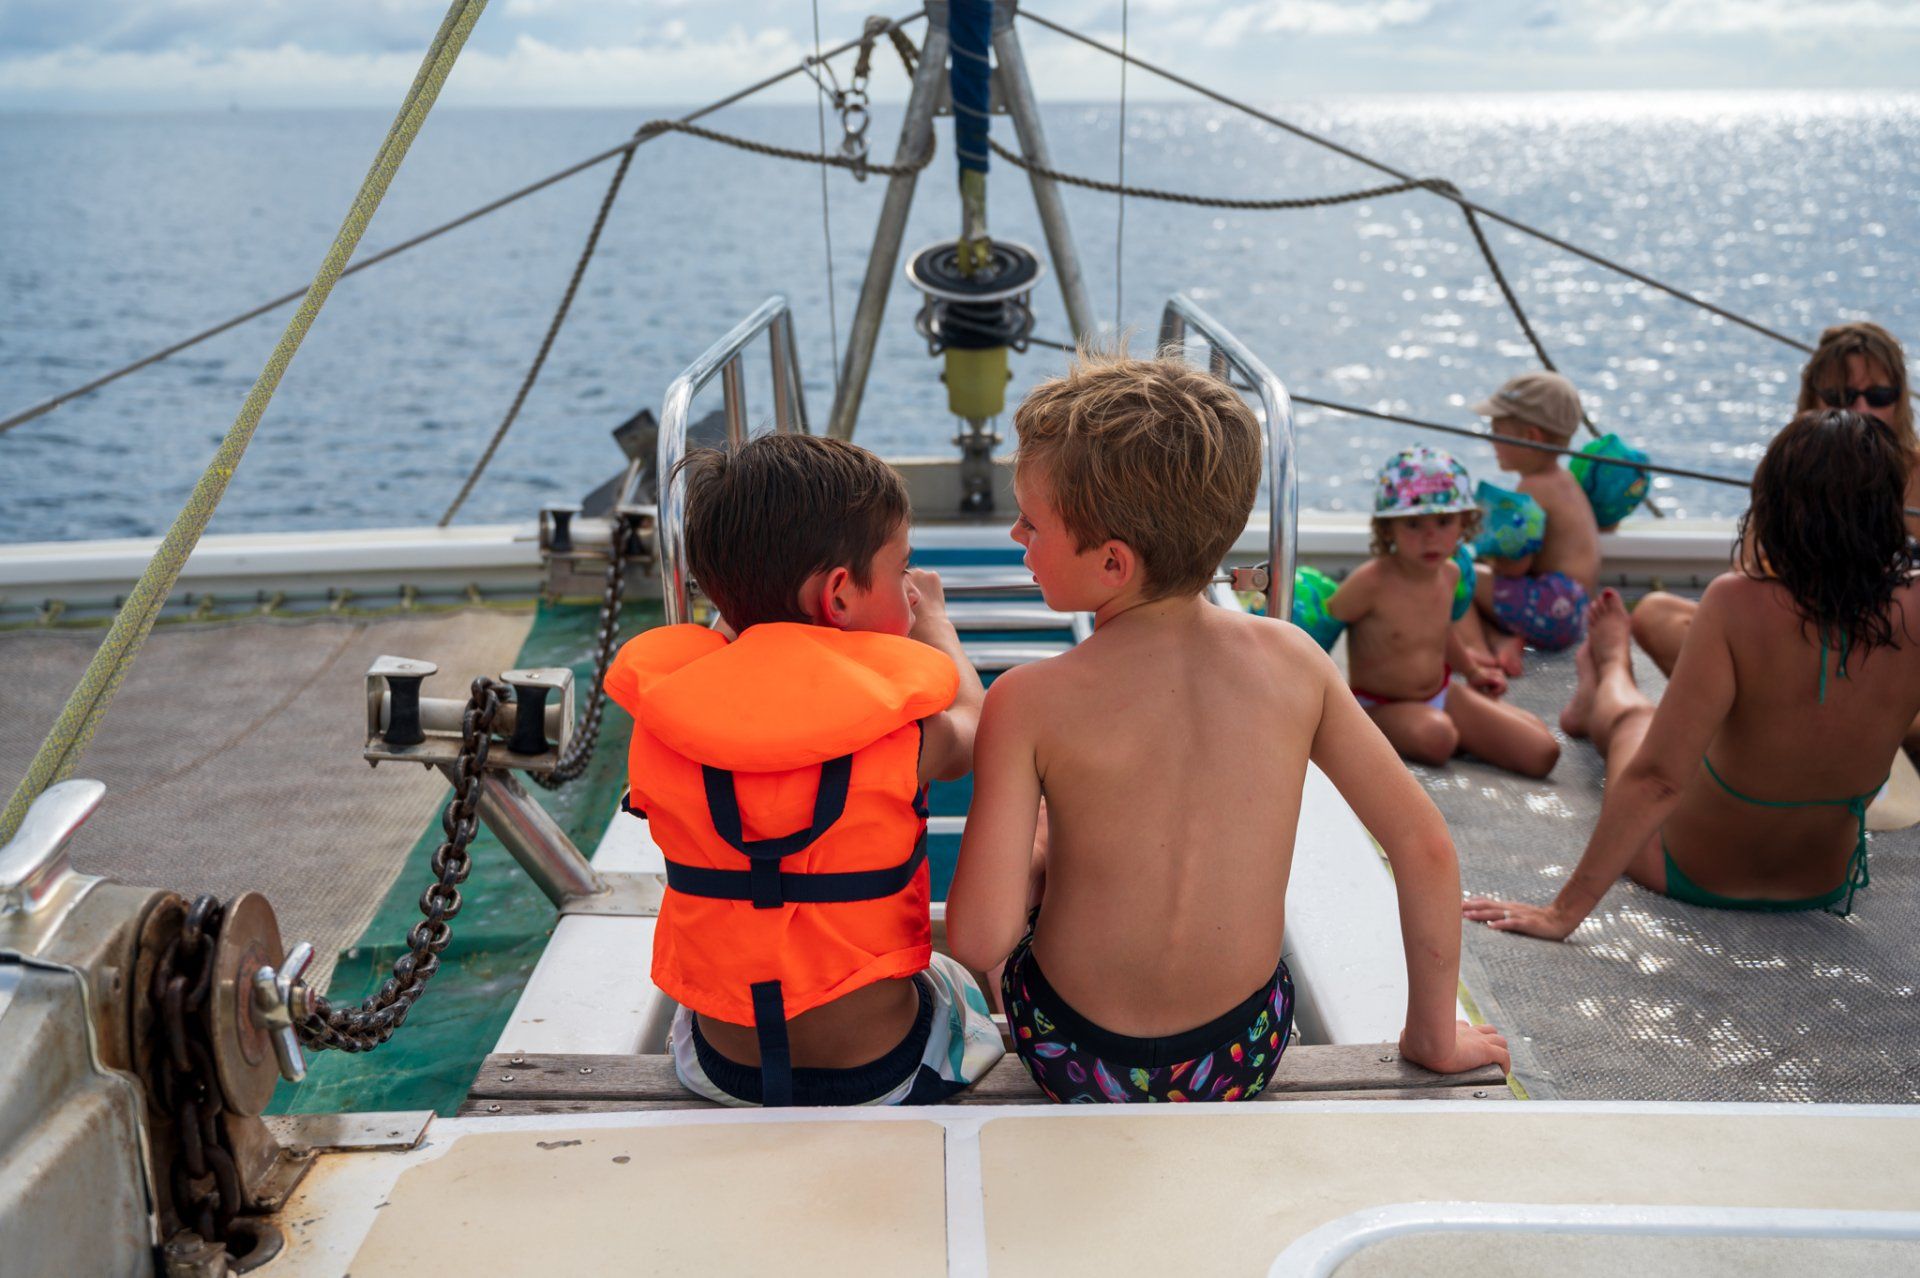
[1571,544]
[1171,748]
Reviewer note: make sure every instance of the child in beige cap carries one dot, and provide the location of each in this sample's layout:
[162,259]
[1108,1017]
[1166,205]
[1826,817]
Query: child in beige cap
[1539,546]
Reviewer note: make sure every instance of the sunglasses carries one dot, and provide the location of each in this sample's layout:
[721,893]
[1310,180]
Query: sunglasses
[1877,396]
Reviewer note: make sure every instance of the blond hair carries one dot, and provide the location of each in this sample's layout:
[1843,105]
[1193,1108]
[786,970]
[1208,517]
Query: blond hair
[1151,452]
[1828,366]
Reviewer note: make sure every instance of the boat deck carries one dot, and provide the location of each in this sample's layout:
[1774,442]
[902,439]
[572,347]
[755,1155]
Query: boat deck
[1325,1188]
[232,756]
[1652,999]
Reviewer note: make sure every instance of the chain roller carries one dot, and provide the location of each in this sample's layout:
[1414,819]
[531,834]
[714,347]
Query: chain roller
[373,1022]
[581,747]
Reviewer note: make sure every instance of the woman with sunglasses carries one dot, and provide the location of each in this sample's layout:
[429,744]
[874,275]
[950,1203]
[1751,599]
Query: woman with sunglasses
[1859,367]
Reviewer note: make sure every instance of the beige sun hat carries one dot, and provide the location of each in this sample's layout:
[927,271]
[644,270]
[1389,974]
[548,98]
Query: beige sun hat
[1543,399]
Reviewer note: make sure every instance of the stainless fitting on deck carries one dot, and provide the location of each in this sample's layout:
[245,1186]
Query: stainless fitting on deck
[531,733]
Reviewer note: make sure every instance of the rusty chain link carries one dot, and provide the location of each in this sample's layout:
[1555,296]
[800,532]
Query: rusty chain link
[204,1179]
[580,748]
[362,1028]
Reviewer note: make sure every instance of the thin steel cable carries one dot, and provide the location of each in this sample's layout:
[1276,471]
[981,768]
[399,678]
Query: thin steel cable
[1464,432]
[1461,431]
[1457,198]
[394,250]
[546,342]
[650,128]
[1214,201]
[74,729]
[1120,209]
[826,206]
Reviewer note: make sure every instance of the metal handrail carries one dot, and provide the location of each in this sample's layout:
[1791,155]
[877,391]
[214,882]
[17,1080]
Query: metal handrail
[1283,477]
[773,317]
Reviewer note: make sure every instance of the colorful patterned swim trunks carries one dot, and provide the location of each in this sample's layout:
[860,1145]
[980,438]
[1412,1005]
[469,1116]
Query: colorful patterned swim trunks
[1076,1062]
[1549,612]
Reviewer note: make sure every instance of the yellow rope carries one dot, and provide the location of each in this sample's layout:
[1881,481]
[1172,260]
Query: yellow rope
[74,729]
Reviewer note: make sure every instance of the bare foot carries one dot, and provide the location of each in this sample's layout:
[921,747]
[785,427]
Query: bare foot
[1609,635]
[1578,712]
[1506,653]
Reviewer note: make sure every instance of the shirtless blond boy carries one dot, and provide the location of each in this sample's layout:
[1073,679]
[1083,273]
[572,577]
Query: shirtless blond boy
[1529,592]
[1398,608]
[1170,748]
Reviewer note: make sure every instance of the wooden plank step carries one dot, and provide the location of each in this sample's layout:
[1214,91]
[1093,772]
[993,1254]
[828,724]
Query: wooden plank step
[1344,1071]
[472,1108]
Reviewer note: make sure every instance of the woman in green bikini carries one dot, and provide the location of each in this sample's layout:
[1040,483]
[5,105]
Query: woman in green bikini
[1746,786]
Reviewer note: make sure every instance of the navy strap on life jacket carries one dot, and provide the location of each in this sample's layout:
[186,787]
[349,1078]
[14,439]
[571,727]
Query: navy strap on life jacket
[770,1028]
[792,888]
[763,882]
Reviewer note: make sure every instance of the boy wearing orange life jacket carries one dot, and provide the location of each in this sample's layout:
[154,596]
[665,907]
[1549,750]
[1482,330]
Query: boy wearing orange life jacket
[783,774]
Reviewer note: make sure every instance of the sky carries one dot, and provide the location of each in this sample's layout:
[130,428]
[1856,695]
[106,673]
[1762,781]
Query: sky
[198,54]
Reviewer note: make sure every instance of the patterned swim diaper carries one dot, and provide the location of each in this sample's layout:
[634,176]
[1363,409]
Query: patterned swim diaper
[1549,612]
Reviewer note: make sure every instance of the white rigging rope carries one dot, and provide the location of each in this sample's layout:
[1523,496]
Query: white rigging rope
[1120,208]
[826,205]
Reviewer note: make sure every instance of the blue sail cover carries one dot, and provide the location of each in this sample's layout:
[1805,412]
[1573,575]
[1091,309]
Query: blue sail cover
[970,27]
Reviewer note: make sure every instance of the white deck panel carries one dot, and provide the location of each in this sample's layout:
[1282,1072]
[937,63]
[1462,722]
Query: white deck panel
[1051,1190]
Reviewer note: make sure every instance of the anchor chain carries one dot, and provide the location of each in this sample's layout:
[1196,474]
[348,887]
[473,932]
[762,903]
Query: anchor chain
[580,748]
[204,1179]
[362,1028]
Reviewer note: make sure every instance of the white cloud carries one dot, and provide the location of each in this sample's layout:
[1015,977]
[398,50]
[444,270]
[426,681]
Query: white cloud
[675,69]
[1306,17]
[1324,17]
[1851,18]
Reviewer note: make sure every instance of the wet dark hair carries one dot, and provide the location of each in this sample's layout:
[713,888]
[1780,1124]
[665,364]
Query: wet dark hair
[1826,522]
[763,518]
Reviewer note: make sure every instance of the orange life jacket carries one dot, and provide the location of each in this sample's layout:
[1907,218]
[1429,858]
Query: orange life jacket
[780,776]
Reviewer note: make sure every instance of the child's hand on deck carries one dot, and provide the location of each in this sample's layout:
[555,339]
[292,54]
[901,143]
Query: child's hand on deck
[1472,1047]
[1491,680]
[1545,922]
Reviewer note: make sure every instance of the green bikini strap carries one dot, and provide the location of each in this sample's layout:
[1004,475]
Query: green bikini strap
[1855,804]
[1839,669]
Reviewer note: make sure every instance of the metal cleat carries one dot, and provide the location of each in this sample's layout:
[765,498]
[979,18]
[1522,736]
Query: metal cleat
[34,864]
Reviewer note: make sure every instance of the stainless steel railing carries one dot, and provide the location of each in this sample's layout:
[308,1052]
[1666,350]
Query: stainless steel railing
[724,360]
[1224,352]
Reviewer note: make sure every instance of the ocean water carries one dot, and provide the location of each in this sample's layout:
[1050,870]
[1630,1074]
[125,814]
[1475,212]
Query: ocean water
[119,233]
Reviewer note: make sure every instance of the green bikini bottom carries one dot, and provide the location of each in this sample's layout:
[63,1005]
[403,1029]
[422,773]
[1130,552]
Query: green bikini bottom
[1682,888]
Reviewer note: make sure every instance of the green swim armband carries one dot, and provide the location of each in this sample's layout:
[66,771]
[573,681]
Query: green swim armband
[1312,589]
[1512,524]
[1613,491]
[1463,591]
